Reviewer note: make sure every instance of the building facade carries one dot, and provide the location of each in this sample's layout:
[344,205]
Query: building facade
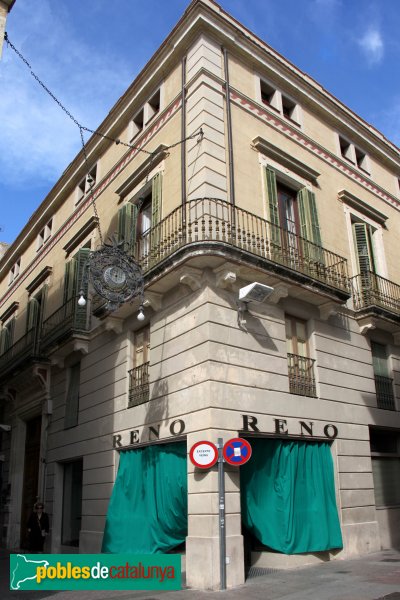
[231,167]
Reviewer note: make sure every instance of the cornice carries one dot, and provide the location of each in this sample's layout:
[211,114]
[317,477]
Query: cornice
[285,159]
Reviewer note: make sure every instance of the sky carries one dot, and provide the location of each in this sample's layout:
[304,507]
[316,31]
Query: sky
[87,52]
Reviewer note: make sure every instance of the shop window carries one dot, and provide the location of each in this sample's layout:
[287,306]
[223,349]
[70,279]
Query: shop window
[139,375]
[383,383]
[385,455]
[300,365]
[72,396]
[72,503]
[14,272]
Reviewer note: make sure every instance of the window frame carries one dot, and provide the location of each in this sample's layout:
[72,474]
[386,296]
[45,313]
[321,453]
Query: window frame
[279,101]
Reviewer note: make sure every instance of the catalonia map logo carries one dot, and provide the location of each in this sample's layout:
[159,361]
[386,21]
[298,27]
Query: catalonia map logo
[95,572]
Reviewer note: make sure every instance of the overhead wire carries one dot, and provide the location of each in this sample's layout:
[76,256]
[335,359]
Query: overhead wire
[82,128]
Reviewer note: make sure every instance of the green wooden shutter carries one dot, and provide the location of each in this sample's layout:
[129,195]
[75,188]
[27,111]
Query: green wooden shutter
[127,220]
[72,397]
[33,314]
[363,247]
[7,336]
[155,236]
[70,280]
[81,312]
[309,225]
[272,207]
[379,359]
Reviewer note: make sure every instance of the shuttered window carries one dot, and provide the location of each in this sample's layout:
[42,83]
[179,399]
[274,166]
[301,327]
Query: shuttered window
[7,336]
[379,359]
[362,233]
[73,283]
[72,396]
[303,217]
[127,221]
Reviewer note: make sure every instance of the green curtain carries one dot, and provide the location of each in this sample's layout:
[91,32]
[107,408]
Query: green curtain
[148,506]
[288,496]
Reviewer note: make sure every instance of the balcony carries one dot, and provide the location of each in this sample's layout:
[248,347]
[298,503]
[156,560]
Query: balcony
[301,375]
[211,225]
[384,392]
[139,385]
[372,291]
[22,351]
[66,321]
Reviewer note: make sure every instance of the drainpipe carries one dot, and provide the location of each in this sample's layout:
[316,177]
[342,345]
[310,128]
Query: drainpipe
[183,145]
[230,147]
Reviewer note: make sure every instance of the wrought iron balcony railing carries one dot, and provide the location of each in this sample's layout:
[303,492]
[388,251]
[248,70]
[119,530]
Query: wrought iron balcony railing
[213,220]
[384,392]
[301,375]
[19,352]
[68,319]
[139,385]
[370,289]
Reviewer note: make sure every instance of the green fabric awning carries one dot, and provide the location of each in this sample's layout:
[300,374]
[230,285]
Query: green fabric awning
[148,506]
[288,496]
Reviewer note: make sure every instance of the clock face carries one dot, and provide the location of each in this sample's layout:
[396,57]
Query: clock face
[114,276]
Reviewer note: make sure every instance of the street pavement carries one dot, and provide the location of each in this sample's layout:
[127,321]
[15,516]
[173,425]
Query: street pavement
[372,577]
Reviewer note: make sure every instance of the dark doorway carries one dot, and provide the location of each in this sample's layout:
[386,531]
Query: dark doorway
[31,474]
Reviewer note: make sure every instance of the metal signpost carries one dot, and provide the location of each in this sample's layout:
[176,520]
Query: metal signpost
[204,455]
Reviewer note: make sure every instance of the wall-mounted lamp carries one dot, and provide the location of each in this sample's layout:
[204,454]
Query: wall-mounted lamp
[141,316]
[5,427]
[254,292]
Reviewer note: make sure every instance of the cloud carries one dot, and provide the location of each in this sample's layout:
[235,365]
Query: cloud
[38,140]
[372,45]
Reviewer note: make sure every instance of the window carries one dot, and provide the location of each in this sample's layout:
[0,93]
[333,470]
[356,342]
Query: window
[14,272]
[44,234]
[87,183]
[72,396]
[34,319]
[72,503]
[137,123]
[363,241]
[145,114]
[138,220]
[293,223]
[353,154]
[385,455]
[269,94]
[153,106]
[287,107]
[139,375]
[300,365]
[383,383]
[7,335]
[346,149]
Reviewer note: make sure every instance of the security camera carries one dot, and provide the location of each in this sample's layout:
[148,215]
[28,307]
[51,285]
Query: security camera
[5,427]
[255,292]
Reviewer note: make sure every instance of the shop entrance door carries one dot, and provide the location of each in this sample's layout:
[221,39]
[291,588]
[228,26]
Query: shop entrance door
[31,474]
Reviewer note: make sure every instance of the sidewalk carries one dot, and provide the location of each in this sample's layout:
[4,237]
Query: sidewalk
[372,577]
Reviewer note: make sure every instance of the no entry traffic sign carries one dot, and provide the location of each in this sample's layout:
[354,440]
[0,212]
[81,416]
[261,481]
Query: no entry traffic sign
[237,451]
[204,454]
